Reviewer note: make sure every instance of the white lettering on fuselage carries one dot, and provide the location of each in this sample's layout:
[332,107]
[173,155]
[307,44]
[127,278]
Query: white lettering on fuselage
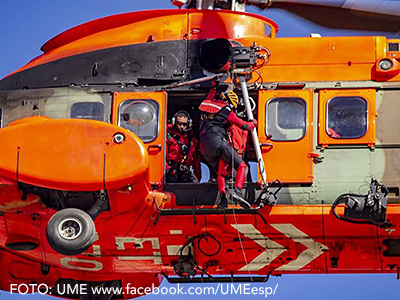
[66,262]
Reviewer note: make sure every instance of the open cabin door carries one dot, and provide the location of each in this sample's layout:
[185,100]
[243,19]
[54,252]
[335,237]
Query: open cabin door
[143,113]
[286,137]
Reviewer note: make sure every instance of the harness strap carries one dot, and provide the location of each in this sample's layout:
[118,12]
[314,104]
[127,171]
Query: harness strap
[184,148]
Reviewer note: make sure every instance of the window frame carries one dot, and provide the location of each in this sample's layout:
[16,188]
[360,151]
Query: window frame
[267,119]
[365,115]
[157,106]
[325,96]
[86,102]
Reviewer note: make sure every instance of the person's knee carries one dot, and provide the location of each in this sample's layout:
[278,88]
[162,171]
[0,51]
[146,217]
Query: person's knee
[222,168]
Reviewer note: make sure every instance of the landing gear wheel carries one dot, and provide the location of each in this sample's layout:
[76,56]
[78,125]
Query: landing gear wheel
[70,231]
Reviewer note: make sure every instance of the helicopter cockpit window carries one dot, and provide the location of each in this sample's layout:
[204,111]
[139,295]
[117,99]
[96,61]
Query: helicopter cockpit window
[267,30]
[88,111]
[347,117]
[140,117]
[286,119]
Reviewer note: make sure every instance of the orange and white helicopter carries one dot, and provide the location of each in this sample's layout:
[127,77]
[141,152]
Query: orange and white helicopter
[83,192]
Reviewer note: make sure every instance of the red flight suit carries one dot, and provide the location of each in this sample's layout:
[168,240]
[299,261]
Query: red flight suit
[182,153]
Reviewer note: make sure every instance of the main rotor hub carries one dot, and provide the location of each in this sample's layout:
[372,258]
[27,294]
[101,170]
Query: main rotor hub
[234,5]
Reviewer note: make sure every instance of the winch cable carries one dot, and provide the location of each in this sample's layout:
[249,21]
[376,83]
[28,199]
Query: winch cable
[233,176]
[241,246]
[199,238]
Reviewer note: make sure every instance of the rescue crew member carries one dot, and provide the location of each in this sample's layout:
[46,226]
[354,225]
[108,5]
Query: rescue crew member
[239,139]
[183,158]
[217,116]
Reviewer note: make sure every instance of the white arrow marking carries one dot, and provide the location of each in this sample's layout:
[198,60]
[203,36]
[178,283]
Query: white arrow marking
[272,249]
[314,249]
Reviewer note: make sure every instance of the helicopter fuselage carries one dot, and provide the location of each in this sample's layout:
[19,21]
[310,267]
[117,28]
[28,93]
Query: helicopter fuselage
[83,126]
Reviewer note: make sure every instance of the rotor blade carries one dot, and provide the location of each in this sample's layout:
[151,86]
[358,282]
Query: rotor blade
[341,17]
[385,7]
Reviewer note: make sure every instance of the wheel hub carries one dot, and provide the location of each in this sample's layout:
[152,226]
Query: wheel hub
[70,228]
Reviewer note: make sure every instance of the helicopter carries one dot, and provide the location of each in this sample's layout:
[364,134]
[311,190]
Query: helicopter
[291,232]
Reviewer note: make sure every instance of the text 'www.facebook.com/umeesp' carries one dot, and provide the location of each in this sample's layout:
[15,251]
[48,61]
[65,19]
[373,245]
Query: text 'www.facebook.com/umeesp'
[132,290]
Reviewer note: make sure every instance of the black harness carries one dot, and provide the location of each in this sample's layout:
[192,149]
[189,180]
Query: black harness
[185,148]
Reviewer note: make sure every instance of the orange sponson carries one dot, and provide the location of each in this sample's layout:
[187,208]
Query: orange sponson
[71,154]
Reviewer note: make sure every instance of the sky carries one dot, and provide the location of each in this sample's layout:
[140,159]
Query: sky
[27,24]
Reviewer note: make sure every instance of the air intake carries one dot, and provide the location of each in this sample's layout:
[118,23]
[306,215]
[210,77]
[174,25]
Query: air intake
[215,54]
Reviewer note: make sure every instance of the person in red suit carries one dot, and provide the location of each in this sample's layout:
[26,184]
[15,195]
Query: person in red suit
[183,158]
[217,117]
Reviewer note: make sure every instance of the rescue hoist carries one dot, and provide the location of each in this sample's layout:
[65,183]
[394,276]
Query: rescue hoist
[243,61]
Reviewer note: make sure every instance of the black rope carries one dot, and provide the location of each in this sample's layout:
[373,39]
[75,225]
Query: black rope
[199,238]
[340,199]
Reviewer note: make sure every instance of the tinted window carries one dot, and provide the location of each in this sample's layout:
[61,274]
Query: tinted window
[140,117]
[88,110]
[347,117]
[286,119]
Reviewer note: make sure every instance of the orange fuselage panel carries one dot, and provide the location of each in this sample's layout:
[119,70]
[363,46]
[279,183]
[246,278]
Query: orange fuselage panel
[71,154]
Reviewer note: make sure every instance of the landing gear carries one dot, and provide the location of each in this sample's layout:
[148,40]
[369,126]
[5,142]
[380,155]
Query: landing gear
[70,231]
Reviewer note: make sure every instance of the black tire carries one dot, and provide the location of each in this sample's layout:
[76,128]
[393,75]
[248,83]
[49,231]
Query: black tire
[70,231]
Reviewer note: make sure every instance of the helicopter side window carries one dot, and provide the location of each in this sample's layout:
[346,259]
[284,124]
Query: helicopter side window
[140,117]
[286,119]
[88,111]
[347,117]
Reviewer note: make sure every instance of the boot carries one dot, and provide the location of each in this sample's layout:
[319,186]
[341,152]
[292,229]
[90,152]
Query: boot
[223,201]
[237,197]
